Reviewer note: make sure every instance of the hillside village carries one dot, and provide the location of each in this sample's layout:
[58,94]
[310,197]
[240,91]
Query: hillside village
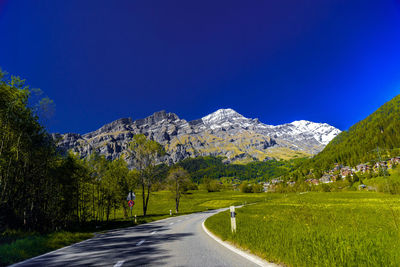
[340,172]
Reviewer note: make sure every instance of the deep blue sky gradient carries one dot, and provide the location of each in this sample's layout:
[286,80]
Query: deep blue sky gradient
[324,61]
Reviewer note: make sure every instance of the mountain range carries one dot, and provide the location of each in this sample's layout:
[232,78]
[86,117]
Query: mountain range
[222,133]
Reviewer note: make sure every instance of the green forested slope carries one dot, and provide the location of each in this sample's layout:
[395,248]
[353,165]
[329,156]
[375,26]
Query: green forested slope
[213,167]
[377,135]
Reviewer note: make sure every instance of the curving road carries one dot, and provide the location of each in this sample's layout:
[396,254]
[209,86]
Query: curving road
[176,241]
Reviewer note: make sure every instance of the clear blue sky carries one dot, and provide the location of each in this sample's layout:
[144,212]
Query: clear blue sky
[324,61]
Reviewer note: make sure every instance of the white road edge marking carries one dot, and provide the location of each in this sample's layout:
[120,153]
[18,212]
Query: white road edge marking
[155,232]
[179,220]
[171,223]
[119,264]
[250,257]
[140,242]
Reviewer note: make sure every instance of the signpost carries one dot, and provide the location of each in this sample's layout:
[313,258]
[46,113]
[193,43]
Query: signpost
[233,219]
[131,197]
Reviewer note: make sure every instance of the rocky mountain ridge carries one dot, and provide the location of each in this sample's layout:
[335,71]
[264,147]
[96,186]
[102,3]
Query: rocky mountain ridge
[222,133]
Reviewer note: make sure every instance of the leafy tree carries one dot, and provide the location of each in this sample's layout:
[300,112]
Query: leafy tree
[37,184]
[178,180]
[245,187]
[257,188]
[145,154]
[211,185]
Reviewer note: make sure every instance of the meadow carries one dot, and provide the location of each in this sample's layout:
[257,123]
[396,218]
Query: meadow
[16,245]
[318,229]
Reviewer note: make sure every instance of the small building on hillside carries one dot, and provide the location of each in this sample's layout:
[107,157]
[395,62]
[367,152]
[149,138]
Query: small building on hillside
[337,167]
[291,183]
[276,181]
[362,186]
[266,186]
[312,181]
[345,171]
[395,161]
[326,179]
[362,168]
[380,166]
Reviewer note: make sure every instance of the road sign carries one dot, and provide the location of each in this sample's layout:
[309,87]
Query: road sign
[131,196]
[131,203]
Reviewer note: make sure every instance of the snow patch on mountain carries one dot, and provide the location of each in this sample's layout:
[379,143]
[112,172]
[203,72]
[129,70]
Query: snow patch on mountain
[323,133]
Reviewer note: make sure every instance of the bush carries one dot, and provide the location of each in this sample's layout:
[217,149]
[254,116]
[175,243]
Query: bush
[212,185]
[390,186]
[245,188]
[257,188]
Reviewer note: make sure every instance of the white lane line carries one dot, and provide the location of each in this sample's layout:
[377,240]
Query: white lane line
[179,220]
[140,242]
[119,264]
[171,223]
[155,232]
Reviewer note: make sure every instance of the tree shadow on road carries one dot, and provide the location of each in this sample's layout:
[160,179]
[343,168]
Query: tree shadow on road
[119,245]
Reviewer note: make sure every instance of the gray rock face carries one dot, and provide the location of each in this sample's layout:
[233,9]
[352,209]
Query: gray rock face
[222,133]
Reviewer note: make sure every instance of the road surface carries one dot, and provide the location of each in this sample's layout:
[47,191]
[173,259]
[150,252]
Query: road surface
[176,241]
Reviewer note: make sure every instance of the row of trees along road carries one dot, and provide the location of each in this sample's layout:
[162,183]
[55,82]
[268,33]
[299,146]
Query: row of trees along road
[42,189]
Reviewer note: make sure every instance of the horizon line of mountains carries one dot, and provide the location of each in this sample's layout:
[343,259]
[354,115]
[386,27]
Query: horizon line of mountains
[223,133]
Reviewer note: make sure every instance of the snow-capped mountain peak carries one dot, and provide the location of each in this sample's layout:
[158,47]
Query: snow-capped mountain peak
[322,132]
[224,118]
[224,132]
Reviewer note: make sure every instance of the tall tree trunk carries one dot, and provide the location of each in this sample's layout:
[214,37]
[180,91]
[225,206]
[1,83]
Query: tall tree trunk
[148,195]
[108,209]
[125,209]
[93,207]
[177,197]
[144,200]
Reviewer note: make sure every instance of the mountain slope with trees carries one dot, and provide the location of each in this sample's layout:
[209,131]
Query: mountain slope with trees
[368,140]
[209,167]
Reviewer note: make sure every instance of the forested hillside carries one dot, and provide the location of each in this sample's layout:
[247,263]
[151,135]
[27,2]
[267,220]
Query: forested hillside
[374,137]
[213,167]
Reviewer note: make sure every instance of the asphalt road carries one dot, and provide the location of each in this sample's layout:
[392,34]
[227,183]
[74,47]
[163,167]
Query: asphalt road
[176,241]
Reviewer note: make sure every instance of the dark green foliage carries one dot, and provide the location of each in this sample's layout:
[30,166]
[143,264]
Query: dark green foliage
[215,168]
[31,192]
[245,187]
[145,153]
[375,137]
[41,190]
[212,185]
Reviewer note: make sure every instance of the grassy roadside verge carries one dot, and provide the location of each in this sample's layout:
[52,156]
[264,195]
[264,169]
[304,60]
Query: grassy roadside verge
[35,244]
[318,229]
[17,246]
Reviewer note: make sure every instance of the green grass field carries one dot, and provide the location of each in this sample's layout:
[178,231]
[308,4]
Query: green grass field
[318,229]
[16,246]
